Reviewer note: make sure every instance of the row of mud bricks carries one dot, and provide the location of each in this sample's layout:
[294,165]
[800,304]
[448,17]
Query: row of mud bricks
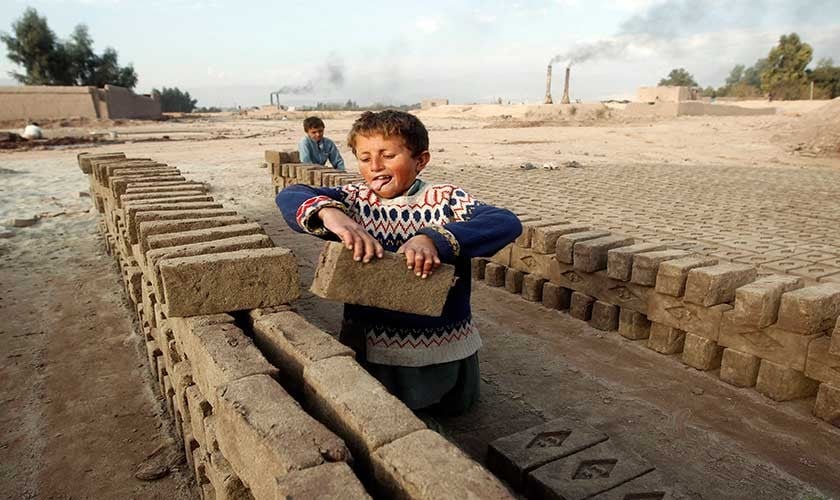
[267,405]
[769,332]
[286,169]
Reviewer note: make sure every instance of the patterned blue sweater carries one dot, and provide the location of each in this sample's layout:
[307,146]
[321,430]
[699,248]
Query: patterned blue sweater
[461,228]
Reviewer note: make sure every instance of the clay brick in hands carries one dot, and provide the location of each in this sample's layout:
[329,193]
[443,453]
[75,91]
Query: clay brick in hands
[385,283]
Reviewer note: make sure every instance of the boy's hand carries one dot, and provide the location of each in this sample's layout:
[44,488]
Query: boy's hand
[421,254]
[353,235]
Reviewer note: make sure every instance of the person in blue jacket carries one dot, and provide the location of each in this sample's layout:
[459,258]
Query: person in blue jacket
[315,148]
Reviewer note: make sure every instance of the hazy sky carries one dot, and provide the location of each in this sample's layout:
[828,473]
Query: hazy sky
[235,52]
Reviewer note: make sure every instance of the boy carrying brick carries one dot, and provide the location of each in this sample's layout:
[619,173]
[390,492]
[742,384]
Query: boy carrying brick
[427,362]
[315,148]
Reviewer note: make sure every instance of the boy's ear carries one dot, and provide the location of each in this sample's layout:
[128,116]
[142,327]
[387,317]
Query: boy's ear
[423,160]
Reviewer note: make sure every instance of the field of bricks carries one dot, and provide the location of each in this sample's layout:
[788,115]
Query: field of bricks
[266,405]
[744,288]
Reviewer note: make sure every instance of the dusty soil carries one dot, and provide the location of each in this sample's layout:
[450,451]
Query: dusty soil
[78,415]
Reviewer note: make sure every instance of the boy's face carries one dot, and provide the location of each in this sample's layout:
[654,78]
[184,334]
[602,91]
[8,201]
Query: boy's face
[316,134]
[387,164]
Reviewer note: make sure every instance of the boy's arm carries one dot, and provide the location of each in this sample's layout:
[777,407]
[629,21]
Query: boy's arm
[305,151]
[479,230]
[300,203]
[335,157]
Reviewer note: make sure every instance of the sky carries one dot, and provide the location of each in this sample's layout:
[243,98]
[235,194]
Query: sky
[234,53]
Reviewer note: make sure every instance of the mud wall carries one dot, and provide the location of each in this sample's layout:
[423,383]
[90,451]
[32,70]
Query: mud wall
[43,102]
[267,405]
[664,94]
[691,108]
[431,103]
[55,103]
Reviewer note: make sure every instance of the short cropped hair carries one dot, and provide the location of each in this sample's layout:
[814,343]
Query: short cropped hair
[312,122]
[391,123]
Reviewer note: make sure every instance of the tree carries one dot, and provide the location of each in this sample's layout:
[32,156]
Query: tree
[173,100]
[679,77]
[784,77]
[48,61]
[826,79]
[735,75]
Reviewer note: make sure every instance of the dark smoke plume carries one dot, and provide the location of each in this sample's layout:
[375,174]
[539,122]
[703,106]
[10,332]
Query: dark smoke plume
[333,72]
[663,23]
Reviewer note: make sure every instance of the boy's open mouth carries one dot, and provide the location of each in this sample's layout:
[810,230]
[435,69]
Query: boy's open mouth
[380,181]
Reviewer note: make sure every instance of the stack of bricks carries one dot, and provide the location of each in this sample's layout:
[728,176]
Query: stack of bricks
[266,405]
[769,332]
[286,169]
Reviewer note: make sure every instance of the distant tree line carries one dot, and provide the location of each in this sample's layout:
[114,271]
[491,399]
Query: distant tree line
[46,60]
[782,75]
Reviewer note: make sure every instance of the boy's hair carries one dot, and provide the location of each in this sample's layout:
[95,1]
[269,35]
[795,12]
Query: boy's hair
[391,123]
[312,122]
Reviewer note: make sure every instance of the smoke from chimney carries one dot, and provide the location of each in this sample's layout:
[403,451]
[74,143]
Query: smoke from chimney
[548,99]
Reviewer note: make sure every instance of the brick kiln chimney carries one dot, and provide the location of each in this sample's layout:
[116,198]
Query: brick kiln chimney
[565,99]
[548,99]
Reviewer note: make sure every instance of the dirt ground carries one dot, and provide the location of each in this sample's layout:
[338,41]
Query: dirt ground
[78,415]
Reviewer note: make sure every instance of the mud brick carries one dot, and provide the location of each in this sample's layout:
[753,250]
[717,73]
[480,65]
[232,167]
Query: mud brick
[524,240]
[513,280]
[555,296]
[772,343]
[134,277]
[190,195]
[356,406]
[424,465]
[182,186]
[591,255]
[197,198]
[633,325]
[665,339]
[199,409]
[152,352]
[604,316]
[676,313]
[672,274]
[525,260]
[757,303]
[264,434]
[85,159]
[494,274]
[477,266]
[646,265]
[780,383]
[219,354]
[171,215]
[701,353]
[291,343]
[216,246]
[827,406]
[822,365]
[384,283]
[151,228]
[585,474]
[181,378]
[226,484]
[279,157]
[650,486]
[739,368]
[202,235]
[120,184]
[834,347]
[502,257]
[332,480]
[131,211]
[288,170]
[580,306]
[564,250]
[811,309]
[709,286]
[231,281]
[620,260]
[544,239]
[532,287]
[512,457]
